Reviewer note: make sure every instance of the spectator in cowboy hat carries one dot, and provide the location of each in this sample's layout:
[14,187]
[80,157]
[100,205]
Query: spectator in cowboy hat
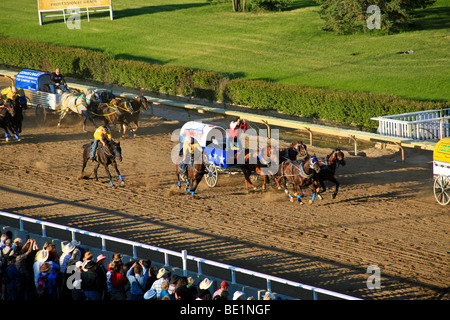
[91,283]
[162,275]
[101,270]
[238,295]
[222,293]
[203,290]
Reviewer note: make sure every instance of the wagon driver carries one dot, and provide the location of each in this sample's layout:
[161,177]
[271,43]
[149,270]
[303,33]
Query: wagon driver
[190,146]
[57,81]
[102,134]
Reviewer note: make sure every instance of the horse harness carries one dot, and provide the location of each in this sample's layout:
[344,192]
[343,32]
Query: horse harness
[301,170]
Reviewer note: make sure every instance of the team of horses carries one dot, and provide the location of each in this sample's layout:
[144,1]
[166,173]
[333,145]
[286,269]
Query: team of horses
[292,164]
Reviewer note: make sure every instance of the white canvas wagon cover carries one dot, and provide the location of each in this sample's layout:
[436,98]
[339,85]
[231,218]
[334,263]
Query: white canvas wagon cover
[204,133]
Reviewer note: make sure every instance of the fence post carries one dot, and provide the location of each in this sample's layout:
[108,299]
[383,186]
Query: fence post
[184,256]
[103,244]
[166,259]
[199,268]
[269,285]
[44,234]
[21,224]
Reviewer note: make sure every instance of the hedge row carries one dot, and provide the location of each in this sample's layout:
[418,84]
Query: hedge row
[341,106]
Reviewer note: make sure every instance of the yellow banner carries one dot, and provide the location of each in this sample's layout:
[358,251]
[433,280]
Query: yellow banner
[65,4]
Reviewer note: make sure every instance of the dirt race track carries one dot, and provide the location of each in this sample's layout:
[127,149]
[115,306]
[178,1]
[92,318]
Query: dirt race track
[385,213]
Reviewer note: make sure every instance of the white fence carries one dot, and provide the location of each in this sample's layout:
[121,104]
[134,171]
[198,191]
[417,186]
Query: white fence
[183,255]
[422,125]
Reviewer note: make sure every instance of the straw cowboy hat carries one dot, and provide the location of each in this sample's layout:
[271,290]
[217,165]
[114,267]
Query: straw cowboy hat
[42,255]
[75,243]
[205,284]
[162,272]
[87,256]
[67,248]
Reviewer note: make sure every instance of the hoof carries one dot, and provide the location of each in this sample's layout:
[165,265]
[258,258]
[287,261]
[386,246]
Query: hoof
[310,201]
[301,203]
[291,199]
[334,196]
[320,197]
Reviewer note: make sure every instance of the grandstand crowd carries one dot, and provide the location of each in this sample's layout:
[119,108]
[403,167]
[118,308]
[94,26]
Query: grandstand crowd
[28,272]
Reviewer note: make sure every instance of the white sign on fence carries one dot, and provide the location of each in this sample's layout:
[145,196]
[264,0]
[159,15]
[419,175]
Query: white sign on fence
[84,6]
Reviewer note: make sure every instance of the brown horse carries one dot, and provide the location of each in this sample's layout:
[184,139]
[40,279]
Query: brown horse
[263,164]
[136,105]
[195,172]
[7,114]
[301,174]
[105,156]
[122,112]
[328,168]
[290,153]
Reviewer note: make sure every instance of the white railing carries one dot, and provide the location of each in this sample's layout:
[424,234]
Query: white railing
[422,125]
[183,255]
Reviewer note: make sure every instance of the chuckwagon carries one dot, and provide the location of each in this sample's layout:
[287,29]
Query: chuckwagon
[36,86]
[441,171]
[212,139]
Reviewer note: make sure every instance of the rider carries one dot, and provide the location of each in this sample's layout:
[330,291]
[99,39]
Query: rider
[10,93]
[190,145]
[57,81]
[102,134]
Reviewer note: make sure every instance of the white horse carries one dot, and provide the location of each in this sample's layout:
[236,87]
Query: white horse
[78,104]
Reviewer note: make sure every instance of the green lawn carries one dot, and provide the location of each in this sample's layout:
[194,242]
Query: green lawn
[286,47]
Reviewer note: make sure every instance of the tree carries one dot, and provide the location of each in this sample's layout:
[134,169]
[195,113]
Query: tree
[350,16]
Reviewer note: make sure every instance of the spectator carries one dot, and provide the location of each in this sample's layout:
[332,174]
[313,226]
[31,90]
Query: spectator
[182,292]
[21,264]
[165,291]
[151,275]
[238,295]
[163,275]
[77,293]
[101,270]
[192,287]
[203,292]
[45,282]
[57,81]
[137,276]
[12,280]
[91,283]
[118,281]
[222,293]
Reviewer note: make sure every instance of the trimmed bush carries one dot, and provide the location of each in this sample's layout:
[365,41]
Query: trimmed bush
[332,105]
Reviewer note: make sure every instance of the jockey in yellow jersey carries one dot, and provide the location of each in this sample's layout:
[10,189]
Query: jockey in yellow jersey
[190,146]
[10,93]
[102,134]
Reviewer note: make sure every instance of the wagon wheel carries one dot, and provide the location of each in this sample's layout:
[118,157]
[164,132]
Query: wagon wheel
[41,114]
[211,175]
[442,189]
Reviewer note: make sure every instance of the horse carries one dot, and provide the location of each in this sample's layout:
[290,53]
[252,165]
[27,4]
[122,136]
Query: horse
[301,174]
[328,168]
[261,166]
[122,112]
[105,156]
[195,172]
[78,104]
[136,105]
[7,114]
[291,152]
